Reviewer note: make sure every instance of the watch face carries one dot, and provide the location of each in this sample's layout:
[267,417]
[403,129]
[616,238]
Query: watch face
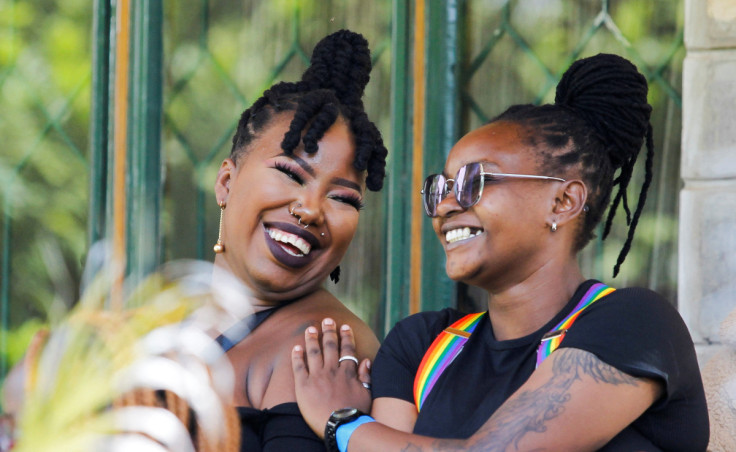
[344,413]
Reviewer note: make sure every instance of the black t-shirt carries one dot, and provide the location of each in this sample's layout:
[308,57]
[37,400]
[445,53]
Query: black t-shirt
[634,330]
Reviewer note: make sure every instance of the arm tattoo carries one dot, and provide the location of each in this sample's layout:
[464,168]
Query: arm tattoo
[530,410]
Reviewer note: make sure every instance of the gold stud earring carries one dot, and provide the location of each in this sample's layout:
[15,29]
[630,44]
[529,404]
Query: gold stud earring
[219,246]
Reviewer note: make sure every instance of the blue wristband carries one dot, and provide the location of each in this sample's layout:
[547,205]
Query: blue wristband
[343,432]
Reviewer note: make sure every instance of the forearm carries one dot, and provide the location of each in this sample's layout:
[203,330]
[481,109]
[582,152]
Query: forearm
[374,437]
[546,412]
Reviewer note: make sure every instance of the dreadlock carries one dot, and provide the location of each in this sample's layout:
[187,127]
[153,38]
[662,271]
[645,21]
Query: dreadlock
[598,123]
[330,88]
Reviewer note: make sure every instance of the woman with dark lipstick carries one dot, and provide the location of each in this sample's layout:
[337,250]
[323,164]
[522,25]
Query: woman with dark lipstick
[291,193]
[557,362]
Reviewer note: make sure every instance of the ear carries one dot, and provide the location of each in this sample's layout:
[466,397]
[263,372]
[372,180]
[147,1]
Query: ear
[223,180]
[569,202]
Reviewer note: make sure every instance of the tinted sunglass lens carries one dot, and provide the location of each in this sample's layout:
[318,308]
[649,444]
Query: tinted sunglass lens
[434,193]
[469,184]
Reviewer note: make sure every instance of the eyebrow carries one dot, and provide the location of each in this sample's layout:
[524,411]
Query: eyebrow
[305,166]
[347,183]
[308,168]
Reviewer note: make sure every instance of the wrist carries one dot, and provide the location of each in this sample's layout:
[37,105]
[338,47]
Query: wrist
[341,425]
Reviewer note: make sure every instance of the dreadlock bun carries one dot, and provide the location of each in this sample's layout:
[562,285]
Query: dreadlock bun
[330,88]
[340,62]
[597,125]
[610,94]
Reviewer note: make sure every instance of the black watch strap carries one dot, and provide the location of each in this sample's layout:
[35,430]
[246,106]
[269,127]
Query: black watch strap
[338,418]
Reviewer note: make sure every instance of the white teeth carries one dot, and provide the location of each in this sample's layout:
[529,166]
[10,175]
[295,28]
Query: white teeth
[291,239]
[455,235]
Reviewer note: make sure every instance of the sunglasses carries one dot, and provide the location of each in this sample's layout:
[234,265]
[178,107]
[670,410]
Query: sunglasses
[468,185]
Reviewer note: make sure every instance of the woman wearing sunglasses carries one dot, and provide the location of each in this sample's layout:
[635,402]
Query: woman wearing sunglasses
[557,362]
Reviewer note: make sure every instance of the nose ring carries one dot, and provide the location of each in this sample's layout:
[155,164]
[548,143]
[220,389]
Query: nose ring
[291,209]
[298,217]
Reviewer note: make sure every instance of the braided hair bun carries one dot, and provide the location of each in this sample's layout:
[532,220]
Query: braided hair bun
[340,62]
[331,87]
[609,93]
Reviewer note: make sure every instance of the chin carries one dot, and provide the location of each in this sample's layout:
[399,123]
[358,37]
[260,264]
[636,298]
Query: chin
[460,273]
[286,285]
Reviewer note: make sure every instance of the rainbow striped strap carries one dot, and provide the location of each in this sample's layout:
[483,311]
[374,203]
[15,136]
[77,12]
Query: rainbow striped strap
[552,339]
[446,346]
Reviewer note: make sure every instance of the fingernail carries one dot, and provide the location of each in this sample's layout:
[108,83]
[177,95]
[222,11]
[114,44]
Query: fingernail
[312,330]
[297,348]
[345,327]
[368,364]
[328,322]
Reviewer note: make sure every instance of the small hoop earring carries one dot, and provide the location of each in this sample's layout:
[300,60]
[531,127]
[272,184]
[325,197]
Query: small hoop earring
[219,247]
[553,228]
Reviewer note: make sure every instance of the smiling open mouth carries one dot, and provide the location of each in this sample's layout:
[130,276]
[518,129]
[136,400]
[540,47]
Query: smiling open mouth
[292,244]
[456,235]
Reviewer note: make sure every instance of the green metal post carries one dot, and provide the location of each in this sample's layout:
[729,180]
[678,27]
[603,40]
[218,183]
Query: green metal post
[144,189]
[5,284]
[399,171]
[99,149]
[441,131]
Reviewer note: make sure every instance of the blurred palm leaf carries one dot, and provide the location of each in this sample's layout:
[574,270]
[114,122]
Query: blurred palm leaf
[96,355]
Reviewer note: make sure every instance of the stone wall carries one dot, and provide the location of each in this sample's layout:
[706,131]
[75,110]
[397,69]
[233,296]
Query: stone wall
[707,243]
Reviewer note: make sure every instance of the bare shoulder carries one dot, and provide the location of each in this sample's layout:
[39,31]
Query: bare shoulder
[319,305]
[262,362]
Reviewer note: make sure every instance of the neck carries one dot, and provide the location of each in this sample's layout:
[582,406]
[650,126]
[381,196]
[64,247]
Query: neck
[226,284]
[520,309]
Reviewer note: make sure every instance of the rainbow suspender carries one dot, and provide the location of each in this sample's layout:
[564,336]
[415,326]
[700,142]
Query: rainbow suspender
[553,338]
[446,346]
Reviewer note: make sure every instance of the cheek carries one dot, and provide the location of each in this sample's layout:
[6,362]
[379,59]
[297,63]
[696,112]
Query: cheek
[343,225]
[262,193]
[437,228]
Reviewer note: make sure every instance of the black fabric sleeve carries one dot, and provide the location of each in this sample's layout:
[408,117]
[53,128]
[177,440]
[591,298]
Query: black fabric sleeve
[398,359]
[638,332]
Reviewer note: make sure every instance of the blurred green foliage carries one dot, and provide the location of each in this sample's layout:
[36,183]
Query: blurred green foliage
[45,70]
[19,338]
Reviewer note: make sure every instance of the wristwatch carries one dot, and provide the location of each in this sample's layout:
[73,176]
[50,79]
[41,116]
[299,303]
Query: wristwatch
[338,418]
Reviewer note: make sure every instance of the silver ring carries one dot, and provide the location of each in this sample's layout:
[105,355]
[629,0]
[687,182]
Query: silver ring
[366,385]
[300,222]
[350,357]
